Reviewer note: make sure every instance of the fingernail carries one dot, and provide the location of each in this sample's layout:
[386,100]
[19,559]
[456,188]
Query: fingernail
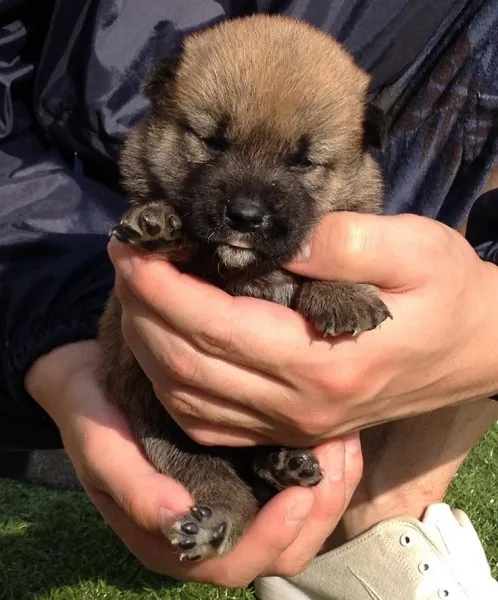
[166,520]
[335,461]
[299,510]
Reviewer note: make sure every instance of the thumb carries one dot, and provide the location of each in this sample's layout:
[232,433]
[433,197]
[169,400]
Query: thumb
[386,251]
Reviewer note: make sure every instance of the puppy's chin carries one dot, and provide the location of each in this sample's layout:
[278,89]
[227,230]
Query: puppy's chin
[236,258]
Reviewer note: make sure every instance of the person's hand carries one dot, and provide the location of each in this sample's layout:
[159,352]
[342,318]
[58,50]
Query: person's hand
[236,371]
[138,503]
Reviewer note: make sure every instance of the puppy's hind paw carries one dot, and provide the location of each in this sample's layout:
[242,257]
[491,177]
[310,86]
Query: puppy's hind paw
[203,533]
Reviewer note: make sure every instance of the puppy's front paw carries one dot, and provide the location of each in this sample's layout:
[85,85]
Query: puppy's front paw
[285,467]
[342,308]
[202,534]
[150,226]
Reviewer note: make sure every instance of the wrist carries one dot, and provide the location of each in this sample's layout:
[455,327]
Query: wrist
[50,375]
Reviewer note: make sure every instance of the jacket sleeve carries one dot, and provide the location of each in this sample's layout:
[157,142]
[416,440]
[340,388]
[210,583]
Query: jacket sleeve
[54,272]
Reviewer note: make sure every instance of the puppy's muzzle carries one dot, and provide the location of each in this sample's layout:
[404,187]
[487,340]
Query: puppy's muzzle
[246,214]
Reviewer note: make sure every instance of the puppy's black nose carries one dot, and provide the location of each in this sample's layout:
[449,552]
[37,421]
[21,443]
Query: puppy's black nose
[246,214]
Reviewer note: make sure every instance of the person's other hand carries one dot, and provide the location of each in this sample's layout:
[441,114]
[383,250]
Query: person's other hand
[138,502]
[238,371]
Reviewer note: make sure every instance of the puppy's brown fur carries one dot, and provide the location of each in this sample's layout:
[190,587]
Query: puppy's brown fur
[258,129]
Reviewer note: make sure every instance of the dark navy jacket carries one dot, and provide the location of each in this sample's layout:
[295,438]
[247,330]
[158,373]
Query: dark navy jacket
[70,81]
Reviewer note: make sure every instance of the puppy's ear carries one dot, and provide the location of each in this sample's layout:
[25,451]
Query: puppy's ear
[374,128]
[160,76]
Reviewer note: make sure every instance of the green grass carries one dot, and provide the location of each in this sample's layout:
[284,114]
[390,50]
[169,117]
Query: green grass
[53,545]
[475,490]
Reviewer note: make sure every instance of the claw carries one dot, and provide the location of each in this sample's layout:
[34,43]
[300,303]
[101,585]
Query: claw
[175,222]
[329,333]
[115,232]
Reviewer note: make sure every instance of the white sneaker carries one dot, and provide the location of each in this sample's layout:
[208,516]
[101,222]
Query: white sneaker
[399,559]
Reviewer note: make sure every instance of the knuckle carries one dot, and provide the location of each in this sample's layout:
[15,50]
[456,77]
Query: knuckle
[181,365]
[215,341]
[179,403]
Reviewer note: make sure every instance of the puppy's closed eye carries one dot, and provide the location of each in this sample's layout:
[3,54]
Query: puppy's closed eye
[217,142]
[209,145]
[300,158]
[303,163]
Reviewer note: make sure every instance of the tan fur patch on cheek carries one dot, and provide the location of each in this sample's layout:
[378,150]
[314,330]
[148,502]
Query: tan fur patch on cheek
[164,141]
[317,179]
[167,159]
[327,192]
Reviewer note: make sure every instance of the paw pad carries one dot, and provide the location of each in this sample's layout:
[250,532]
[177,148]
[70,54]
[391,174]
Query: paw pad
[201,534]
[287,467]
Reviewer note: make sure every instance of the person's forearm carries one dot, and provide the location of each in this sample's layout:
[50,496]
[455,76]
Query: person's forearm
[409,464]
[48,377]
